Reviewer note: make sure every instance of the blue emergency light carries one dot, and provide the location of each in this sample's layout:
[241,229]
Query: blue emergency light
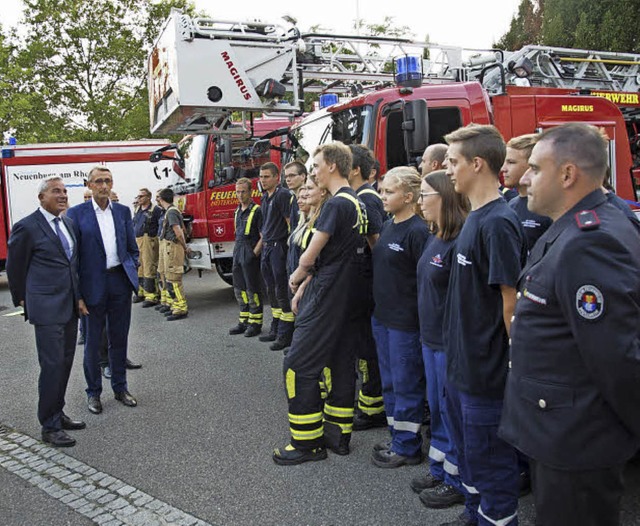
[8,152]
[328,99]
[408,71]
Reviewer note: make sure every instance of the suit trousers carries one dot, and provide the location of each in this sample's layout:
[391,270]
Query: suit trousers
[577,498]
[115,311]
[56,345]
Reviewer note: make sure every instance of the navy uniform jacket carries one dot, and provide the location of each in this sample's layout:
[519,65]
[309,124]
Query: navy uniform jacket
[39,272]
[572,398]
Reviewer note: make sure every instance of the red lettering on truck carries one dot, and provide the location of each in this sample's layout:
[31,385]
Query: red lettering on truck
[236,75]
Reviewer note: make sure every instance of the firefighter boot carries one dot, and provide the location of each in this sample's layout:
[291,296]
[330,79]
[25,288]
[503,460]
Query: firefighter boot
[238,329]
[290,456]
[273,332]
[362,421]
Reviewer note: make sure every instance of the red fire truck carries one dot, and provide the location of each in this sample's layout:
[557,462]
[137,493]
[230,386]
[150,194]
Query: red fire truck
[22,167]
[397,101]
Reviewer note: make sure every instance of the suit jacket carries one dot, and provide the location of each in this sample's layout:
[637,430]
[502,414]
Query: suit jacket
[92,257]
[39,272]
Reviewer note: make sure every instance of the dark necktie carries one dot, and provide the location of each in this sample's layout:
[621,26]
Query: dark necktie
[63,238]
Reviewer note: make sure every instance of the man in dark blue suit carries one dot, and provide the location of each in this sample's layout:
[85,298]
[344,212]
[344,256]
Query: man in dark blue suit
[42,271]
[108,261]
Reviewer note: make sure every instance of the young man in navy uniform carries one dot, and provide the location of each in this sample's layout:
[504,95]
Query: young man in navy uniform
[246,262]
[489,253]
[322,294]
[572,395]
[276,208]
[516,163]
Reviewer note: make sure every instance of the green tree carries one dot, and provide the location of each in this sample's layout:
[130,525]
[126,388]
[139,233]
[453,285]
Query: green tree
[82,68]
[525,28]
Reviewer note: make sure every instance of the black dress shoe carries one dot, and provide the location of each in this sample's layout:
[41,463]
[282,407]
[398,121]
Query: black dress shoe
[133,365]
[125,398]
[106,371]
[252,331]
[94,405]
[69,424]
[58,439]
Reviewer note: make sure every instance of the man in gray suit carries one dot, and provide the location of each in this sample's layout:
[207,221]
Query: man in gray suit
[42,266]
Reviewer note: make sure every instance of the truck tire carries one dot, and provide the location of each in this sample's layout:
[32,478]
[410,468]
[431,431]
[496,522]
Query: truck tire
[224,266]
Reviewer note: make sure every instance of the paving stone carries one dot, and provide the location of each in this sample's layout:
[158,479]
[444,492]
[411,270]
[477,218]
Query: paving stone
[155,505]
[76,504]
[107,498]
[143,500]
[126,490]
[117,504]
[70,478]
[144,518]
[96,494]
[104,518]
[114,522]
[107,481]
[124,512]
[87,508]
[69,498]
[115,486]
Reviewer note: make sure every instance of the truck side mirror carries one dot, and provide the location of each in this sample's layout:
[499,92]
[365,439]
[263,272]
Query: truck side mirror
[415,126]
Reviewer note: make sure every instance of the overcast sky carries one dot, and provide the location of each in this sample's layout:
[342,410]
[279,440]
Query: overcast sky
[467,23]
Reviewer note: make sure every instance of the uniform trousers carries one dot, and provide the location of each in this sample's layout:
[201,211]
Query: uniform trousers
[443,461]
[148,269]
[247,285]
[488,465]
[173,266]
[114,309]
[577,498]
[403,385]
[316,351]
[274,272]
[56,345]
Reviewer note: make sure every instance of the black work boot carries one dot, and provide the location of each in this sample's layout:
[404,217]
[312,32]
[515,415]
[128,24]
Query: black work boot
[273,333]
[238,329]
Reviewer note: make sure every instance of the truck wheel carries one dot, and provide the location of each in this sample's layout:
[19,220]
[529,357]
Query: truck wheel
[224,266]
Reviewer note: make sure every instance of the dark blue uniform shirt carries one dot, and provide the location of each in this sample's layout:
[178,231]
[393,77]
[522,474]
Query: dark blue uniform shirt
[252,213]
[533,225]
[275,212]
[490,252]
[434,268]
[395,262]
[147,221]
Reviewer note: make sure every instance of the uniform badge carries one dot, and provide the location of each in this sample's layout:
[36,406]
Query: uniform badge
[589,302]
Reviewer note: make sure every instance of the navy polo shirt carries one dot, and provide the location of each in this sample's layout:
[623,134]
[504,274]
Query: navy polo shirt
[490,252]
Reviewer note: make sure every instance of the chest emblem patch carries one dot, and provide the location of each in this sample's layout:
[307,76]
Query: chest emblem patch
[436,261]
[589,302]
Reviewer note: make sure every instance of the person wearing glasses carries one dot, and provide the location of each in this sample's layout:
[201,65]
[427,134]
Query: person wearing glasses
[395,319]
[295,175]
[145,226]
[445,211]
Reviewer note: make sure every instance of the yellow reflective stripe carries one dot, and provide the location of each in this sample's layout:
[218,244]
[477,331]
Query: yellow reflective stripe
[290,382]
[276,313]
[369,400]
[346,428]
[256,299]
[310,418]
[305,237]
[287,317]
[338,412]
[361,223]
[247,227]
[326,372]
[363,367]
[306,435]
[245,298]
[371,411]
[370,191]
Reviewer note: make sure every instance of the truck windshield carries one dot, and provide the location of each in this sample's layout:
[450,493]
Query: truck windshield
[237,157]
[351,126]
[192,149]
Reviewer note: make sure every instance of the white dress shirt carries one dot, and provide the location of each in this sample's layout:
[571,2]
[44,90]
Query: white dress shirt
[108,232]
[50,217]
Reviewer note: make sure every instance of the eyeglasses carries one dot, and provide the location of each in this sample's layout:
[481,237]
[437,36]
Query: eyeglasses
[102,181]
[425,194]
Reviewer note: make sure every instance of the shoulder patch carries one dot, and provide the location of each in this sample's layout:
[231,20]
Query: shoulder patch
[589,302]
[587,220]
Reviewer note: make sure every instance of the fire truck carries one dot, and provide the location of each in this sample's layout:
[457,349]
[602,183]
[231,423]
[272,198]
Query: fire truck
[396,96]
[22,167]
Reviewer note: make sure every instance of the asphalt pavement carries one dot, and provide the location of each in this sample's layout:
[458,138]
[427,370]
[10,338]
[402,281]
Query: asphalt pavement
[211,408]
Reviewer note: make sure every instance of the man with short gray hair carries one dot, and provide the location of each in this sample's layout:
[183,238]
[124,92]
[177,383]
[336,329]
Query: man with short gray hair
[42,266]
